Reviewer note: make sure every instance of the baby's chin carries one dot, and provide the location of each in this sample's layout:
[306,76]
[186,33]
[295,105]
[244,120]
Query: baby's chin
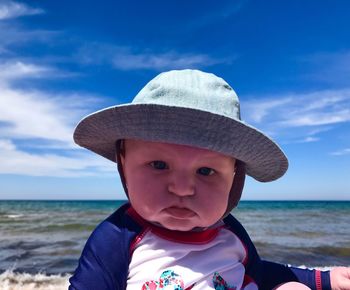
[182,225]
[176,223]
[179,228]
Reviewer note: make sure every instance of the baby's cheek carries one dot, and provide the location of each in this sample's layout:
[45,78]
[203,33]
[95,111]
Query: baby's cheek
[213,207]
[149,196]
[217,197]
[142,185]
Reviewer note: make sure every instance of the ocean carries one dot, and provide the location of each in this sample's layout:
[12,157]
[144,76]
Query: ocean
[41,241]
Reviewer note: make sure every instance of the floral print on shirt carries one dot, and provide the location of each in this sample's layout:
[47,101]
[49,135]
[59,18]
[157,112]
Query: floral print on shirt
[168,280]
[171,281]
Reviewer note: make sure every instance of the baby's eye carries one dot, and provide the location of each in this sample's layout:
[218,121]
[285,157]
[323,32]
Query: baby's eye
[160,165]
[206,171]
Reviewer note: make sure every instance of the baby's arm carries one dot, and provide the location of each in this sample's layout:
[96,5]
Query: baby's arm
[101,263]
[278,273]
[336,279]
[104,262]
[269,275]
[340,278]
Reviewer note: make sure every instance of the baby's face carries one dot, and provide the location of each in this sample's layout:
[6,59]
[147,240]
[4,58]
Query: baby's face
[180,187]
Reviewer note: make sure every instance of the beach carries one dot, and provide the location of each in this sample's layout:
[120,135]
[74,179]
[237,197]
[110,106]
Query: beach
[41,241]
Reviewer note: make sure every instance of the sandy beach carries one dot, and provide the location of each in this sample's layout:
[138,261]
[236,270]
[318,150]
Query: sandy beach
[15,281]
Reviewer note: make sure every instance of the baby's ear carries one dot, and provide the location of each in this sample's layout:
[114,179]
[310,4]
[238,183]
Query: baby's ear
[120,158]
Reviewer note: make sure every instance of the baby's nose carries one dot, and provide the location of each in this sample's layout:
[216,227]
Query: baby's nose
[181,184]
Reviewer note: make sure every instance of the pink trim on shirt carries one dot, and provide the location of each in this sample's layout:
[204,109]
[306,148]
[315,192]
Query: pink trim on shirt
[318,280]
[247,280]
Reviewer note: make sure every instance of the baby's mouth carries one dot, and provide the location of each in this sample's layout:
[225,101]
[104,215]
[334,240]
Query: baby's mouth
[180,212]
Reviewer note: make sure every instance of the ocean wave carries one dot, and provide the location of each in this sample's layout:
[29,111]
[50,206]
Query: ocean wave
[69,227]
[10,280]
[10,216]
[14,216]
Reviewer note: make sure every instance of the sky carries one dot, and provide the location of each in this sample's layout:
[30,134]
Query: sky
[288,61]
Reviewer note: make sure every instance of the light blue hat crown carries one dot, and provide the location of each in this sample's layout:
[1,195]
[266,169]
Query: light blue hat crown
[187,107]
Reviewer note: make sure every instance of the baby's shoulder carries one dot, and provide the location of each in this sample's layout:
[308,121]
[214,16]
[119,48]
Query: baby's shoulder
[232,224]
[118,224]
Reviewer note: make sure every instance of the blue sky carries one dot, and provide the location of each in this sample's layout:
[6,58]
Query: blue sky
[289,62]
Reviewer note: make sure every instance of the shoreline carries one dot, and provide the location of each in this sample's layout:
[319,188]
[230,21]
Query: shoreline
[12,280]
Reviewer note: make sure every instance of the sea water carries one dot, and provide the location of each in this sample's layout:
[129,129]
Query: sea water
[41,241]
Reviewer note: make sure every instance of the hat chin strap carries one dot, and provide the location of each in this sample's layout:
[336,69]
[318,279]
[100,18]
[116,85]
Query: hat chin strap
[235,191]
[119,146]
[236,188]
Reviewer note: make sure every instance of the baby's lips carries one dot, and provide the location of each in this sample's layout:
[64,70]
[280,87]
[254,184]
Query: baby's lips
[180,212]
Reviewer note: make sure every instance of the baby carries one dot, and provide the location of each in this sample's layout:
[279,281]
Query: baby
[182,154]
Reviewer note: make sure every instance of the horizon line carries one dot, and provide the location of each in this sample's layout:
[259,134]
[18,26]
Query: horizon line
[253,200]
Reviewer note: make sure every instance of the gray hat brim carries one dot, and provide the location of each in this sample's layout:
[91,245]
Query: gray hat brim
[99,132]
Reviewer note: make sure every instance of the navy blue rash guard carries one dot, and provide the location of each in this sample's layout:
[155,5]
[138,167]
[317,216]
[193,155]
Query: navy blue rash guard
[104,263]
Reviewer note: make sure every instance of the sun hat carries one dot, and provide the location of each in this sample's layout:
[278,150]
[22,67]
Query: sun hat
[187,107]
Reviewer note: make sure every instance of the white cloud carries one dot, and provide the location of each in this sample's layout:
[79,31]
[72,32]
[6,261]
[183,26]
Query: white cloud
[44,122]
[14,34]
[315,131]
[342,152]
[298,118]
[15,161]
[36,127]
[309,139]
[125,58]
[258,110]
[11,9]
[26,114]
[318,118]
[33,114]
[18,70]
[298,110]
[6,145]
[130,61]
